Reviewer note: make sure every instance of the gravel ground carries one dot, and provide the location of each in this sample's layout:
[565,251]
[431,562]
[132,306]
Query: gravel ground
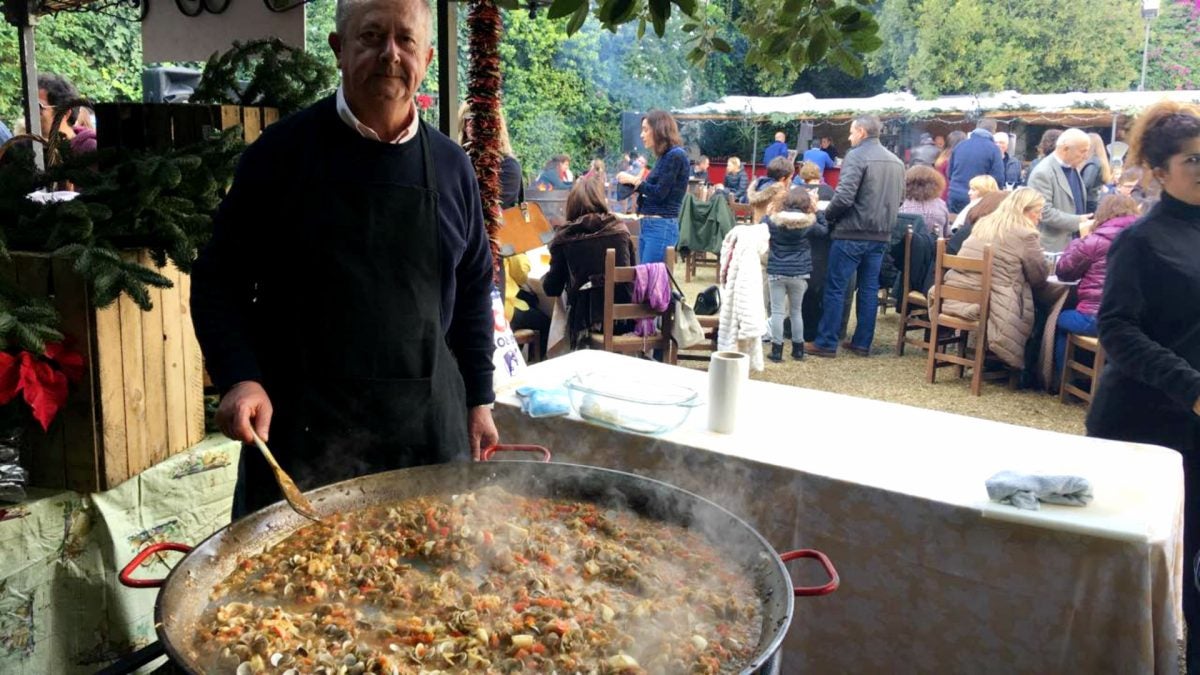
[885,377]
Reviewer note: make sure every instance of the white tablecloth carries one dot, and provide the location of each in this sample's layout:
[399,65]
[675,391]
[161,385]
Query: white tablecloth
[935,578]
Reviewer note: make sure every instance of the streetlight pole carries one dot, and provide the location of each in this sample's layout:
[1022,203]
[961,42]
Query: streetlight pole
[1149,12]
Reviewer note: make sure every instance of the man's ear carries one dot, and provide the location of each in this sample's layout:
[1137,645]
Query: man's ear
[335,43]
[429,58]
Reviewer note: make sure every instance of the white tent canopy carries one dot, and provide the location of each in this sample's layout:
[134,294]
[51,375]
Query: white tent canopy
[806,106]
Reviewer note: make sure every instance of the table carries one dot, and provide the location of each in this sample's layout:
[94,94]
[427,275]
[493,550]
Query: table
[935,578]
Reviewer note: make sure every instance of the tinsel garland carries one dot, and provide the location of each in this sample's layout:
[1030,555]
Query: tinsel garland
[484,82]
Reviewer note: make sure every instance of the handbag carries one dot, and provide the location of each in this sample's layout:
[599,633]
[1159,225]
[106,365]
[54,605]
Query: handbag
[708,301]
[687,330]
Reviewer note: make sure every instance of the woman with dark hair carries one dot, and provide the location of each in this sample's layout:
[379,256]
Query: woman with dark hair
[55,92]
[1149,322]
[1045,148]
[660,194]
[923,187]
[943,161]
[577,256]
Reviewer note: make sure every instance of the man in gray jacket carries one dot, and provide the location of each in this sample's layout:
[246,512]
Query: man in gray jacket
[1057,178]
[861,215]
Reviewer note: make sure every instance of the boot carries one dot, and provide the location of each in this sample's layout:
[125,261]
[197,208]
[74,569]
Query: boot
[776,352]
[798,351]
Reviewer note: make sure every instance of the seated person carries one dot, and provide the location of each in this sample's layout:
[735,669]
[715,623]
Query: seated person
[577,258]
[700,170]
[976,189]
[736,180]
[986,206]
[810,175]
[554,174]
[1085,261]
[923,187]
[1018,273]
[54,92]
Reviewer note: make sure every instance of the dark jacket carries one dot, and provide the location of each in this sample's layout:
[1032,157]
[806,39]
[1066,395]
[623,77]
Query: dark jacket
[737,182]
[661,194]
[977,156]
[1085,261]
[1089,173]
[868,195]
[552,179]
[1012,171]
[791,248]
[511,192]
[577,257]
[924,154]
[1150,330]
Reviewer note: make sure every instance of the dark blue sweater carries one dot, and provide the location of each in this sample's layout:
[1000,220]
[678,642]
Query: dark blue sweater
[253,234]
[661,194]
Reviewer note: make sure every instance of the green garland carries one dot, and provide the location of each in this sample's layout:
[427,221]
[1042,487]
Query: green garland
[276,76]
[162,201]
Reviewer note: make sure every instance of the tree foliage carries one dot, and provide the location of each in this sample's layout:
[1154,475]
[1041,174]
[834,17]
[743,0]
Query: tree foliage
[1174,55]
[937,47]
[98,53]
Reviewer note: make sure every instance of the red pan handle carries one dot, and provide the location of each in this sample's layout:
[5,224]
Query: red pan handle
[486,454]
[834,579]
[127,572]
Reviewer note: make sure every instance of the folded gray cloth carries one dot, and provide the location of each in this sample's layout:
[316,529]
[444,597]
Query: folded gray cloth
[1024,490]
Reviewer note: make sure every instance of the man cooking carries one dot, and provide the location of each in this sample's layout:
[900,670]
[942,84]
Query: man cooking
[344,303]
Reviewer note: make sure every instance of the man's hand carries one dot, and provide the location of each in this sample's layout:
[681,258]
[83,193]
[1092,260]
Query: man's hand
[1086,225]
[244,405]
[1196,407]
[481,429]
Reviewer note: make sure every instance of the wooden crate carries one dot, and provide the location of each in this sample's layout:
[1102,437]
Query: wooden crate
[166,125]
[141,398]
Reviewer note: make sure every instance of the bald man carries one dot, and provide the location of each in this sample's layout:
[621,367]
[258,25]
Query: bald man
[777,149]
[344,303]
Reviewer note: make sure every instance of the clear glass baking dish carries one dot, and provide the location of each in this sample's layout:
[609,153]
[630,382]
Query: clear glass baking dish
[636,406]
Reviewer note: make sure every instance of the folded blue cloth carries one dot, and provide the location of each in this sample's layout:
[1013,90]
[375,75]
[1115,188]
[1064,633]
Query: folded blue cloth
[538,402]
[1024,491]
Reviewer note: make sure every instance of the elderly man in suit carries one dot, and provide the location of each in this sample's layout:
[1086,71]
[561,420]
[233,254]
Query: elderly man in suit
[1057,178]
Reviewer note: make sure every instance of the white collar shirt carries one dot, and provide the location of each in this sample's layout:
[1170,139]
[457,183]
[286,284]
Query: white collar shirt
[344,112]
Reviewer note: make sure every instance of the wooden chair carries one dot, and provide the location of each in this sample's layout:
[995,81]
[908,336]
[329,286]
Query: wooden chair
[1071,366]
[694,260]
[710,324]
[914,305]
[743,212]
[613,312]
[939,320]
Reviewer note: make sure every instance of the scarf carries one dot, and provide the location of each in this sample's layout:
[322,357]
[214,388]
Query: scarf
[651,286]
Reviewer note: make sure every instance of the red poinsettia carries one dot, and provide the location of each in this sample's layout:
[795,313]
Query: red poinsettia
[424,101]
[42,379]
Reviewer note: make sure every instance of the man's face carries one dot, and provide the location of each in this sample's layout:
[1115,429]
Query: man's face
[825,142]
[856,135]
[940,142]
[1003,145]
[45,112]
[1075,154]
[385,52]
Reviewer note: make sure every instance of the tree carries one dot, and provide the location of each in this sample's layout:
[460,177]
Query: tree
[1174,56]
[101,56]
[937,47]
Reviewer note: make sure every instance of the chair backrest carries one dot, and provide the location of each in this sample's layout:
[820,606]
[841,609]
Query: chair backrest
[980,296]
[907,265]
[743,212]
[614,311]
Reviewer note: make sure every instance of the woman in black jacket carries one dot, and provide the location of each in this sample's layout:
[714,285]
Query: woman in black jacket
[736,180]
[577,256]
[1149,319]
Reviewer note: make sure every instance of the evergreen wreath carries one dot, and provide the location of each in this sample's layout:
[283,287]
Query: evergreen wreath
[267,73]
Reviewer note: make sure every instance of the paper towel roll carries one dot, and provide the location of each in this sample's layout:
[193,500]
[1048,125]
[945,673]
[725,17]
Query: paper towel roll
[726,373]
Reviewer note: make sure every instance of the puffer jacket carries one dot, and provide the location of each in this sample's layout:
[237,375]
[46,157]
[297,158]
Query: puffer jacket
[761,192]
[1018,272]
[737,182]
[869,191]
[791,248]
[1085,261]
[743,318]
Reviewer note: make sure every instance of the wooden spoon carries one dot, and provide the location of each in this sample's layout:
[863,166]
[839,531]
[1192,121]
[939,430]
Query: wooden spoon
[291,493]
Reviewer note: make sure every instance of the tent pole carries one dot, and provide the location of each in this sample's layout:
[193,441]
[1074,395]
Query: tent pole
[754,153]
[447,55]
[33,117]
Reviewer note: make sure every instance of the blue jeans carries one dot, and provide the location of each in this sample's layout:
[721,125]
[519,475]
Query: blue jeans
[1070,321]
[787,299]
[657,234]
[845,258]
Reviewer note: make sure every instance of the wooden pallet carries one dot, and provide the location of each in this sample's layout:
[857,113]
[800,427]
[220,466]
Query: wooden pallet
[141,398]
[165,125]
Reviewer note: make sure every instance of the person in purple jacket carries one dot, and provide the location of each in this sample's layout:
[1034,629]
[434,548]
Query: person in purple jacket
[1084,261]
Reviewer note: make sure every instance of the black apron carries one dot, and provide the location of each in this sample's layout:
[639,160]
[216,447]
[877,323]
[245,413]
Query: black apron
[368,383]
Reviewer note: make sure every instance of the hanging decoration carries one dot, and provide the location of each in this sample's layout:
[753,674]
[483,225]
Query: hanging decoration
[484,84]
[280,76]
